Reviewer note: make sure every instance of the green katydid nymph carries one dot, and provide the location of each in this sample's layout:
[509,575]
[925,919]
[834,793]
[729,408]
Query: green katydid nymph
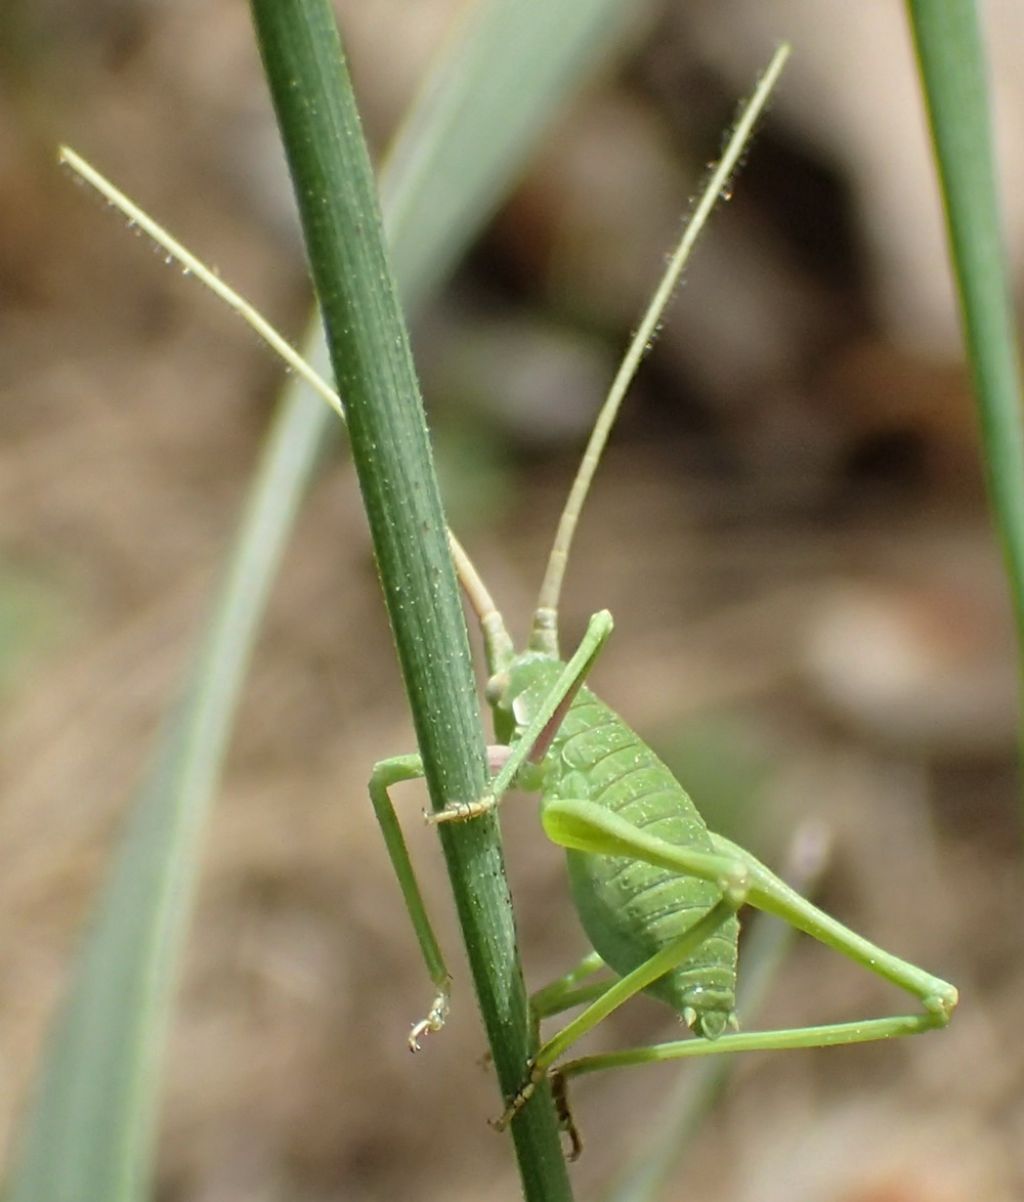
[657,893]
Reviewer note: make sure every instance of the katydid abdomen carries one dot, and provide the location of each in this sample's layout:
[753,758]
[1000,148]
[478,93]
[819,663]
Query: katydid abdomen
[630,909]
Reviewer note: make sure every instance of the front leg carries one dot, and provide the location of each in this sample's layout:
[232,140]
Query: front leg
[385,774]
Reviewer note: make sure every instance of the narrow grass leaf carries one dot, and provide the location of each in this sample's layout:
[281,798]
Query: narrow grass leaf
[952,66]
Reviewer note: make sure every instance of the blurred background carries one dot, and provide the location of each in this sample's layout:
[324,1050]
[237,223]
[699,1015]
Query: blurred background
[790,528]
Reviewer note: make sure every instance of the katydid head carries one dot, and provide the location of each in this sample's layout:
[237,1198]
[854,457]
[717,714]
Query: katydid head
[533,693]
[514,692]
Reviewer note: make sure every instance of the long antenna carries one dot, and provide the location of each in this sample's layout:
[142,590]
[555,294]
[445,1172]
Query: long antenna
[544,634]
[498,644]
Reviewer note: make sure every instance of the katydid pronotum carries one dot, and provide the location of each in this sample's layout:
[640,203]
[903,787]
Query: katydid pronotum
[656,891]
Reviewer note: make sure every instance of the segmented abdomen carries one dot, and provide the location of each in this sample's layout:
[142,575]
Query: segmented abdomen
[630,909]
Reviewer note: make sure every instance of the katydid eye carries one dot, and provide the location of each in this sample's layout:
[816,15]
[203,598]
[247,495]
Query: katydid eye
[496,688]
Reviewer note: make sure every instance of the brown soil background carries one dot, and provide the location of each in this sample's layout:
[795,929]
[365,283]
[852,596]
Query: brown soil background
[790,528]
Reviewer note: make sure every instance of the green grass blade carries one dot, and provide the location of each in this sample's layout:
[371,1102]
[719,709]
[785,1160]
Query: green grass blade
[952,68]
[88,1134]
[369,350]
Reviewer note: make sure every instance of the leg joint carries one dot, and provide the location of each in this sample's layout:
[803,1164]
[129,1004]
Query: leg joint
[460,811]
[942,1002]
[735,885]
